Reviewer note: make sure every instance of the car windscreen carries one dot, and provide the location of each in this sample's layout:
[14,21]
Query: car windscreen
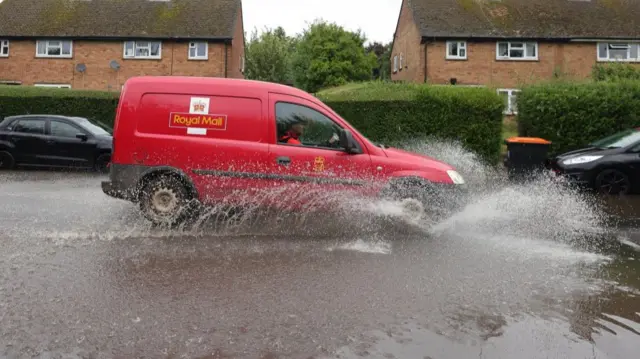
[618,140]
[93,128]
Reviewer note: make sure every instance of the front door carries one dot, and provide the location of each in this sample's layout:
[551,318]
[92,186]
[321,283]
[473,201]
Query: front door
[66,149]
[315,170]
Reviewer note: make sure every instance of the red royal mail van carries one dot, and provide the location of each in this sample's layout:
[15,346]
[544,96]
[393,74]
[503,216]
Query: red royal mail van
[179,140]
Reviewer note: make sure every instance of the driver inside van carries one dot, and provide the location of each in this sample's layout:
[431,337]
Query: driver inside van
[296,129]
[292,136]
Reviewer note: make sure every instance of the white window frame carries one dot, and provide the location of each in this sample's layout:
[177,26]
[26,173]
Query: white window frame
[4,44]
[509,110]
[618,43]
[195,46]
[47,45]
[401,61]
[395,64]
[524,47]
[462,45]
[135,43]
[60,86]
[242,64]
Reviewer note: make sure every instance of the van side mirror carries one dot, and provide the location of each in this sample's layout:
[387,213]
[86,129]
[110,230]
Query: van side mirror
[82,136]
[347,142]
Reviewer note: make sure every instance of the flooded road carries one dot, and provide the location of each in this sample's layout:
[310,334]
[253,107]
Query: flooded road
[511,276]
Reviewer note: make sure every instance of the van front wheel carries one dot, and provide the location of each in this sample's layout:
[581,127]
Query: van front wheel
[163,200]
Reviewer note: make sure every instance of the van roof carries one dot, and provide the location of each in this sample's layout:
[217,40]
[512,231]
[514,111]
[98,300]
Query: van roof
[186,84]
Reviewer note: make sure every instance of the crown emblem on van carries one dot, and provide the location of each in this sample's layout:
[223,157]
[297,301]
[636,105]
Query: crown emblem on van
[199,106]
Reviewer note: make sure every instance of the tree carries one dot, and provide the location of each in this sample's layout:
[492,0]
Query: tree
[268,56]
[328,55]
[383,53]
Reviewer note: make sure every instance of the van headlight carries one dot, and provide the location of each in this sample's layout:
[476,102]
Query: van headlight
[456,178]
[580,159]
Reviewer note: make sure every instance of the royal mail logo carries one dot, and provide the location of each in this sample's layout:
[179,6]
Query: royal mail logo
[189,120]
[199,105]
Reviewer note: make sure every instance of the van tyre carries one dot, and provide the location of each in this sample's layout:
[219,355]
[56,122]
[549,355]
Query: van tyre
[6,160]
[164,200]
[613,182]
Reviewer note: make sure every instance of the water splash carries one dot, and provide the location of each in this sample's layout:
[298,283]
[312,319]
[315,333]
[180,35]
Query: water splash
[540,211]
[543,216]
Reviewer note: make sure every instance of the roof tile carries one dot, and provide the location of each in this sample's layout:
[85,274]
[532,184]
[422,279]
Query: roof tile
[560,19]
[206,19]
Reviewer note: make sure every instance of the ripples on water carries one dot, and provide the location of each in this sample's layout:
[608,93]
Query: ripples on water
[538,242]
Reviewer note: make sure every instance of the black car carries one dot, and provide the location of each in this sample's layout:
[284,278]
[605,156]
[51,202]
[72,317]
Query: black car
[54,141]
[610,165]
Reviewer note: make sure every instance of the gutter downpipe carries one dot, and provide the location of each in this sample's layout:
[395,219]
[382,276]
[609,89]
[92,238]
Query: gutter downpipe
[425,62]
[225,59]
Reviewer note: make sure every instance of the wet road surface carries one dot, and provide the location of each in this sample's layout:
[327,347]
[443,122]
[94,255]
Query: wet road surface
[82,276]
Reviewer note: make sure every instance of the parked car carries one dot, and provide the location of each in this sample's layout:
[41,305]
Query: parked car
[54,141]
[610,165]
[214,140]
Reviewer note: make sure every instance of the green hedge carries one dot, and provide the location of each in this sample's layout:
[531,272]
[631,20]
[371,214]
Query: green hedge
[382,111]
[572,115]
[615,72]
[392,112]
[94,105]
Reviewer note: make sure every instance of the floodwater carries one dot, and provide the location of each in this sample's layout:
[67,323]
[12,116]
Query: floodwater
[524,271]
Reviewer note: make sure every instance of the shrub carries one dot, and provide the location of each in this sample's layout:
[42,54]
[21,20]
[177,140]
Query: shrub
[391,113]
[615,72]
[382,111]
[572,115]
[94,105]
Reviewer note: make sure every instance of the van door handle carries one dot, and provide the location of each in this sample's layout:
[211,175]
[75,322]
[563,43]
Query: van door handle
[283,160]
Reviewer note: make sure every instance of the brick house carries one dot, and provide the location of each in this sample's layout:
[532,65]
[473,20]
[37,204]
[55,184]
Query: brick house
[505,44]
[99,44]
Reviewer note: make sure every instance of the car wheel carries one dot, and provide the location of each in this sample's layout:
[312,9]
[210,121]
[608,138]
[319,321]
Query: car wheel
[102,163]
[612,182]
[416,198]
[163,200]
[6,160]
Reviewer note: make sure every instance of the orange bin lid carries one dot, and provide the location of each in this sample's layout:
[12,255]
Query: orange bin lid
[528,140]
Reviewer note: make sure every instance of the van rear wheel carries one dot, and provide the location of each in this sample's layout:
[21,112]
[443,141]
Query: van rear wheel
[163,201]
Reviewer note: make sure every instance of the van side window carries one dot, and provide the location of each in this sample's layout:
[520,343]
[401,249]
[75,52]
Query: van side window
[306,125]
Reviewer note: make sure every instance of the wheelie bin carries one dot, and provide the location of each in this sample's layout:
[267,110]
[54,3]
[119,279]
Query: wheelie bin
[525,156]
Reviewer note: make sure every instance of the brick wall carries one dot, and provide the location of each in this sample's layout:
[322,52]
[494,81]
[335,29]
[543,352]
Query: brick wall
[236,50]
[406,42]
[22,65]
[571,60]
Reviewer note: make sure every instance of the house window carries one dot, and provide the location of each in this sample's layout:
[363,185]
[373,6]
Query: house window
[142,49]
[517,51]
[395,63]
[242,64]
[60,86]
[54,48]
[401,58]
[618,51]
[198,50]
[456,50]
[4,48]
[510,97]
